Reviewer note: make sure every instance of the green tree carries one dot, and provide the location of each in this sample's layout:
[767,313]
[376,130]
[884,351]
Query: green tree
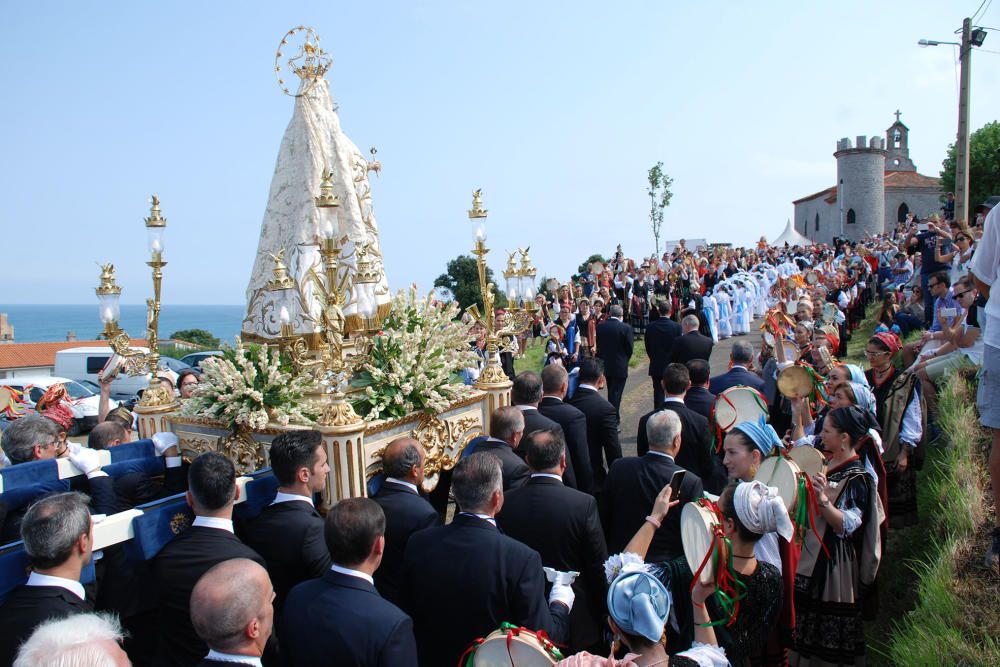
[461,279]
[590,260]
[196,336]
[984,165]
[659,198]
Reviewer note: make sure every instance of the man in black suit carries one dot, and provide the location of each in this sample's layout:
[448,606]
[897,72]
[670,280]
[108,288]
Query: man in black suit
[139,488]
[661,335]
[340,619]
[614,348]
[572,422]
[695,454]
[602,419]
[741,357]
[691,345]
[526,395]
[464,579]
[634,482]
[289,532]
[209,541]
[698,397]
[506,431]
[232,610]
[564,527]
[406,511]
[58,537]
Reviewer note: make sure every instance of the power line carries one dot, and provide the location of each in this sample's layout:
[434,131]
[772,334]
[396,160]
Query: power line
[981,4]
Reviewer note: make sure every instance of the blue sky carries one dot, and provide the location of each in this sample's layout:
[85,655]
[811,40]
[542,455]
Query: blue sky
[555,109]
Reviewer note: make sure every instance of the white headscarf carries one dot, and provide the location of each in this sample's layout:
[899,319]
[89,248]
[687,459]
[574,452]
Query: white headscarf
[762,510]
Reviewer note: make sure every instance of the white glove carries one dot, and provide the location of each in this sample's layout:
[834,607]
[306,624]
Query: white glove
[163,441]
[87,461]
[562,593]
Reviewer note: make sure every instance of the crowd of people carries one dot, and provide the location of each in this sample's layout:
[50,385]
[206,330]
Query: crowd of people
[544,531]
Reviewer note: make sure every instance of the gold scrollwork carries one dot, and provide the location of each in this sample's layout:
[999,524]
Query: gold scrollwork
[244,452]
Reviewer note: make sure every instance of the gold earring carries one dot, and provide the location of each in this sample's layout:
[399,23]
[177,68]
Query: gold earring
[753,470]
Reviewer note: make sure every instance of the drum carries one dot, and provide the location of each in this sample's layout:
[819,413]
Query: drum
[769,338]
[809,459]
[698,526]
[739,404]
[515,647]
[812,277]
[829,313]
[597,268]
[791,350]
[113,367]
[795,382]
[782,474]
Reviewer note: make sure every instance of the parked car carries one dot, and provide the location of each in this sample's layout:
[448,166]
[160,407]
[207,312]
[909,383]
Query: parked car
[195,358]
[84,402]
[87,362]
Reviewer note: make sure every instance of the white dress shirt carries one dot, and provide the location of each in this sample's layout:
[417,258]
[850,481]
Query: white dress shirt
[484,517]
[352,573]
[74,587]
[233,658]
[546,474]
[282,497]
[402,482]
[213,522]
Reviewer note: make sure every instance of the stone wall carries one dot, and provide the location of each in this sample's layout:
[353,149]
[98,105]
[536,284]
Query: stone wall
[861,185]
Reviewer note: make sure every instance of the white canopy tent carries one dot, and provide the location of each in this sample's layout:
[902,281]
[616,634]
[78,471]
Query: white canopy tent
[790,236]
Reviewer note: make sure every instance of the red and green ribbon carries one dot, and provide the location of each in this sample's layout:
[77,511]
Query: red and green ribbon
[511,631]
[805,511]
[729,590]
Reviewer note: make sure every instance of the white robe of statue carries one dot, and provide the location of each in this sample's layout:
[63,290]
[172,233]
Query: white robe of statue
[313,143]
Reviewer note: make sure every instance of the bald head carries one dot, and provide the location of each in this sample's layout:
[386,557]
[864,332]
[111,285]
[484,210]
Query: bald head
[231,606]
[404,459]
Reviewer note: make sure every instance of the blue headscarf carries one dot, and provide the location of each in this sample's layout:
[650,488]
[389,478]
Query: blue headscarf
[863,396]
[639,603]
[762,434]
[857,374]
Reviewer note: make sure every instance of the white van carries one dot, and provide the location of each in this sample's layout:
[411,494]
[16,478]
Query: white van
[83,401]
[84,363]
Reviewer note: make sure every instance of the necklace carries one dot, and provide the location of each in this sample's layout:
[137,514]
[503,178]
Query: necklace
[745,557]
[658,662]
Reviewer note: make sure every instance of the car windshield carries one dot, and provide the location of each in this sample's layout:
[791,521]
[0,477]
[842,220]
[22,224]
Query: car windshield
[77,390]
[173,364]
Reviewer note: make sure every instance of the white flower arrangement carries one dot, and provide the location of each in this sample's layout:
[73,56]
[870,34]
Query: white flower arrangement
[414,360]
[248,387]
[624,562]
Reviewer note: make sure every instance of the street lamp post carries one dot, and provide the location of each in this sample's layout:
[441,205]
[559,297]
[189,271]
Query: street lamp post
[970,37]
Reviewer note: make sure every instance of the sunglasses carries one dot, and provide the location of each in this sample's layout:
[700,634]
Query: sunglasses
[959,294]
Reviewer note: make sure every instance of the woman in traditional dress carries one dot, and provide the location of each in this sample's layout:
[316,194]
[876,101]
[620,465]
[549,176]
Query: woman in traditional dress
[900,411]
[639,308]
[835,575]
[586,325]
[746,446]
[725,312]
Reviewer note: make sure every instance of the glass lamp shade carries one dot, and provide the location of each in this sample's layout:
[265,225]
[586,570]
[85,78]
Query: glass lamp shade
[108,305]
[479,229]
[364,295]
[155,237]
[283,305]
[329,219]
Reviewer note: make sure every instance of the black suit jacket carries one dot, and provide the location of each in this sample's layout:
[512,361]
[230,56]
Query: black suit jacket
[602,431]
[406,512]
[26,608]
[691,345]
[176,569]
[574,428]
[536,420]
[632,486]
[340,620]
[733,378]
[289,536]
[464,579]
[564,527]
[614,347]
[138,488]
[661,337]
[701,400]
[695,454]
[515,470]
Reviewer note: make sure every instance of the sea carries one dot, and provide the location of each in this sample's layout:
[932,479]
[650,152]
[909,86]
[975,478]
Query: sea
[43,323]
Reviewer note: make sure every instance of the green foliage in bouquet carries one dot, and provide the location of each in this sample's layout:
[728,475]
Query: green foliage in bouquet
[415,360]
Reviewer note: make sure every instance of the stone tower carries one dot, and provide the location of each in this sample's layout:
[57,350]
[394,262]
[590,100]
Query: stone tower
[860,187]
[897,147]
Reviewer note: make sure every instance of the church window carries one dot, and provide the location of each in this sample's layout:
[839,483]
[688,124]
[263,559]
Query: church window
[896,136]
[851,218]
[895,162]
[901,212]
[817,223]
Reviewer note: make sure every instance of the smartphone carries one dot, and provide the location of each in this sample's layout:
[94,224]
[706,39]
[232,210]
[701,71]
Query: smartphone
[922,227]
[949,312]
[675,484]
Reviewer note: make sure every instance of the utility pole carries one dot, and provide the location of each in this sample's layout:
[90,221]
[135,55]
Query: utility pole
[962,145]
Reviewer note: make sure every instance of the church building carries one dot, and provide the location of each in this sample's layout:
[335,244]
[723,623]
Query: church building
[877,185]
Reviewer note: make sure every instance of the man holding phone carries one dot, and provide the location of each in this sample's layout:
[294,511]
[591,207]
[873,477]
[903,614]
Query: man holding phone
[924,239]
[945,315]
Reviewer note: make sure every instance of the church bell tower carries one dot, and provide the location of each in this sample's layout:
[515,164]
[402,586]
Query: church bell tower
[897,147]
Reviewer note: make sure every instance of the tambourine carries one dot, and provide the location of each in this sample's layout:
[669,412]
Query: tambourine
[809,459]
[511,646]
[597,268]
[698,533]
[739,404]
[829,313]
[795,382]
[11,403]
[812,277]
[783,474]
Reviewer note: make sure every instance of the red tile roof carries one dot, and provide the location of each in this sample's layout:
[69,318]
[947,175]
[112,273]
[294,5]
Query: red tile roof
[31,355]
[893,179]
